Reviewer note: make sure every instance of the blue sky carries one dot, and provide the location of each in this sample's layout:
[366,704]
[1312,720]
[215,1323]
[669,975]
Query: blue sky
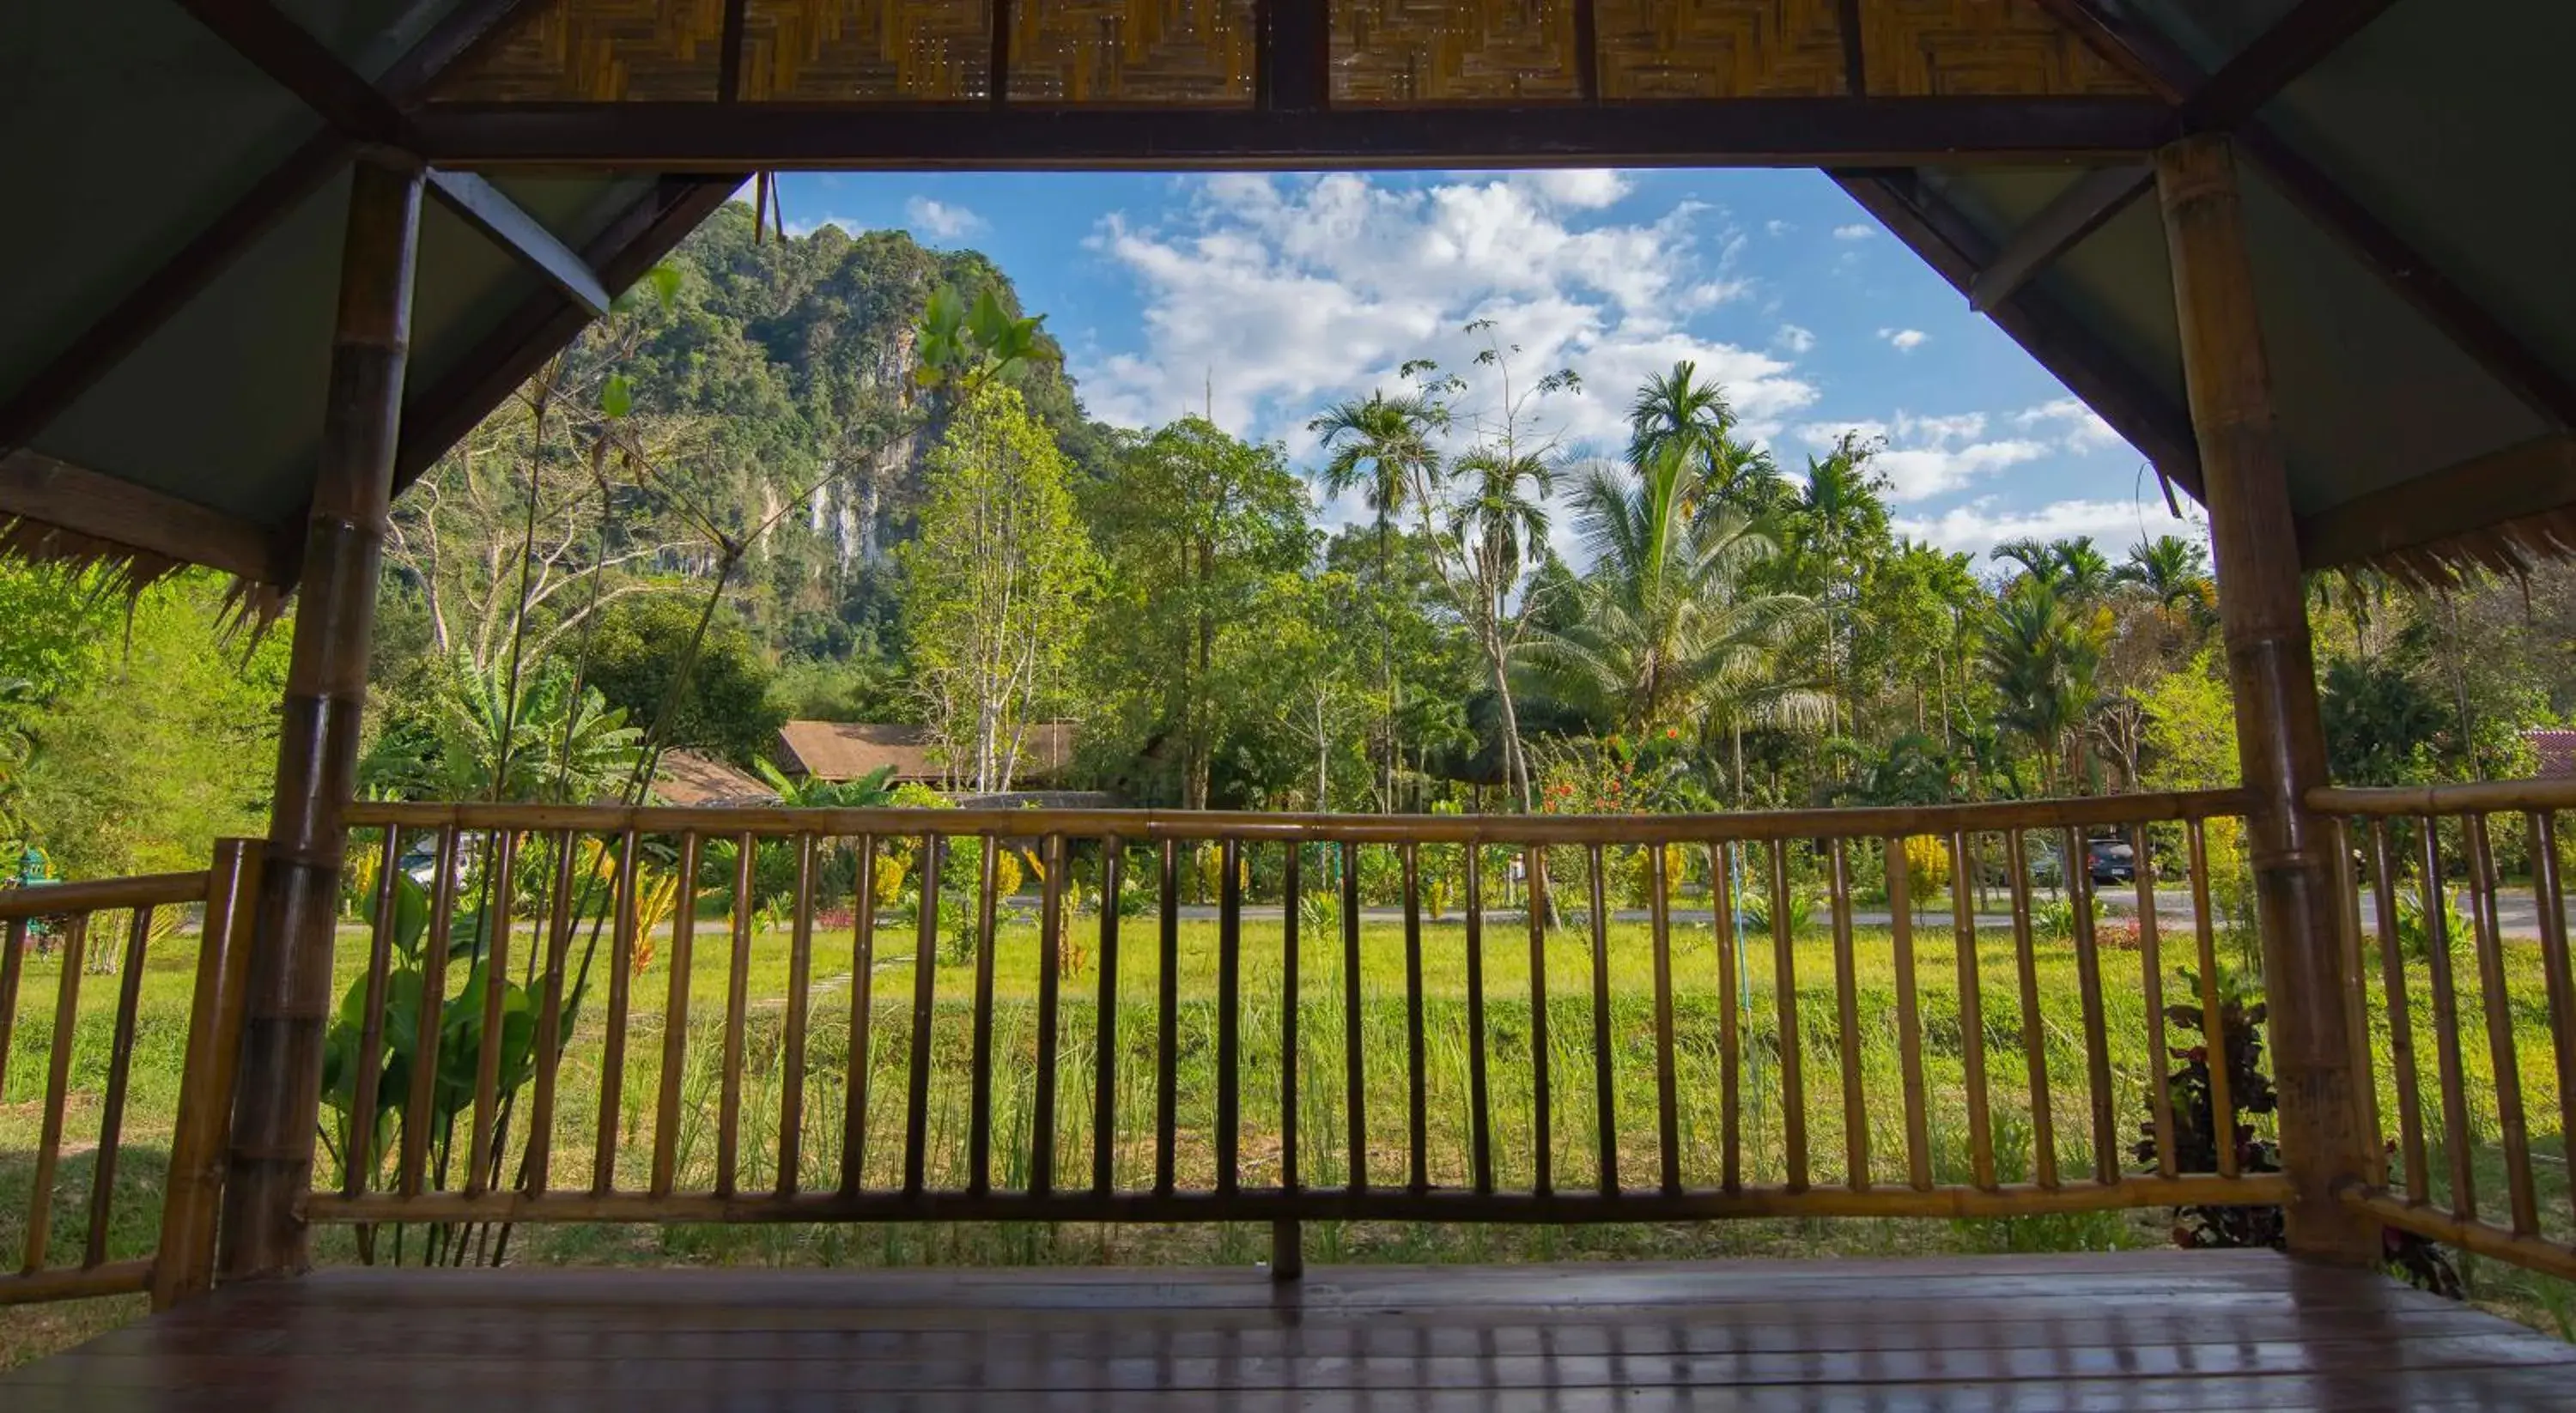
[1268,297]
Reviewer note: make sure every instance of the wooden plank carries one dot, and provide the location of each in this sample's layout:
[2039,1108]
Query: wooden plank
[1775,132]
[2302,38]
[490,210]
[2529,478]
[2087,205]
[37,487]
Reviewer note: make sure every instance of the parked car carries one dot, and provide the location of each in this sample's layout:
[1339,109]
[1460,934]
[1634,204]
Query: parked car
[2111,860]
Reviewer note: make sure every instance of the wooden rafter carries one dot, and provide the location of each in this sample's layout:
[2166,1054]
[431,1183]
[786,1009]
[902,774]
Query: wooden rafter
[2296,43]
[436,415]
[1954,247]
[2485,496]
[486,208]
[1293,68]
[74,498]
[304,66]
[163,293]
[1732,132]
[2470,325]
[2078,211]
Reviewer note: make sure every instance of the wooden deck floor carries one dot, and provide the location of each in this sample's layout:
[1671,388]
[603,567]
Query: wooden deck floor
[2157,1330]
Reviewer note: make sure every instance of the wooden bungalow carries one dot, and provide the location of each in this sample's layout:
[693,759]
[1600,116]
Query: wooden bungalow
[270,259]
[853,750]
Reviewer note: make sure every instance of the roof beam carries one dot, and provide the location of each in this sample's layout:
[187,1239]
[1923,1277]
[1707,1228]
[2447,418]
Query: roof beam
[2534,478]
[1952,245]
[39,488]
[435,416]
[486,208]
[2078,211]
[1876,132]
[2296,43]
[2487,340]
[303,65]
[180,278]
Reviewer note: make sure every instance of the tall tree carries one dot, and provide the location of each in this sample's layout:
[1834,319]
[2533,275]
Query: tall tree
[994,585]
[1383,447]
[1194,528]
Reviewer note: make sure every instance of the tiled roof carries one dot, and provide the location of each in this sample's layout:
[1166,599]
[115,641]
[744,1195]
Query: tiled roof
[847,750]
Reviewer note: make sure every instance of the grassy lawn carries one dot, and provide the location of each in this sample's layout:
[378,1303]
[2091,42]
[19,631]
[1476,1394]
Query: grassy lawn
[1322,1121]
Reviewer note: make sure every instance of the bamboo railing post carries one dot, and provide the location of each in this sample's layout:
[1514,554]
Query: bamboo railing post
[185,1267]
[800,978]
[857,1066]
[1052,854]
[1287,1238]
[1229,1016]
[1542,1140]
[2281,739]
[1104,1083]
[2550,899]
[290,998]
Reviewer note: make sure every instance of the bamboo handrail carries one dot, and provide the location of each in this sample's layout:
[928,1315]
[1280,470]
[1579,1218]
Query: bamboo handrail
[2475,797]
[1156,826]
[154,890]
[1217,1150]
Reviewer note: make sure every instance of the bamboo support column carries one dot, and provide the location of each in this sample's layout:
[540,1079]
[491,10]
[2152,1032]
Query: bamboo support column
[2272,668]
[289,998]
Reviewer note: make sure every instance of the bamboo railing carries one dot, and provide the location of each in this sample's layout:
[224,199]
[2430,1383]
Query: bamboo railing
[1300,1033]
[2486,990]
[67,930]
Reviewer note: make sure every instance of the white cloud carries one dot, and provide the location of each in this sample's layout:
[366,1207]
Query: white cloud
[1854,231]
[1925,457]
[1982,524]
[1580,188]
[1285,294]
[1794,338]
[1905,340]
[2077,427]
[939,219]
[1777,228]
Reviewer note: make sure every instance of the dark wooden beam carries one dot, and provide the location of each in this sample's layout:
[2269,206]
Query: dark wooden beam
[1734,132]
[1294,70]
[486,208]
[2135,407]
[1847,19]
[40,488]
[2130,43]
[2462,319]
[194,266]
[2296,43]
[302,64]
[436,416]
[2534,478]
[2078,211]
[729,53]
[163,293]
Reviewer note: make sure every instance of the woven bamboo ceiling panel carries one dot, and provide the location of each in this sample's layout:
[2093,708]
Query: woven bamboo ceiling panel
[1151,52]
[1156,53]
[1957,48]
[1453,51]
[1720,48]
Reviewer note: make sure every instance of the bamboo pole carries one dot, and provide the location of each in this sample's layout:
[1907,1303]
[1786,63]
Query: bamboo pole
[2281,740]
[290,995]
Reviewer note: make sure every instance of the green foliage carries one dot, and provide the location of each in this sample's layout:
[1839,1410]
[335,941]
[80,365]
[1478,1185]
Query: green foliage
[2383,725]
[548,741]
[995,586]
[159,734]
[717,698]
[2043,651]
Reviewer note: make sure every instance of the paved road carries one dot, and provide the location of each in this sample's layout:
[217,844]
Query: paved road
[2517,912]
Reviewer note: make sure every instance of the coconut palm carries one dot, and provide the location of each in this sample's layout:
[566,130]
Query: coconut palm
[1668,629]
[1677,409]
[1382,447]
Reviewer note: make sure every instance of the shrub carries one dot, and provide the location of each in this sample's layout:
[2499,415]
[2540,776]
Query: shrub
[2414,933]
[1637,876]
[1927,865]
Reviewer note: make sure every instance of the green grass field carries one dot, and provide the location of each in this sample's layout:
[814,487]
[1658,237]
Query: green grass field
[1322,1120]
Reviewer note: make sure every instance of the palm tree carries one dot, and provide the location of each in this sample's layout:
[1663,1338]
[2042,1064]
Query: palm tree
[1840,508]
[1499,525]
[1677,410]
[2170,570]
[2043,656]
[1382,447]
[1668,629]
[2082,574]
